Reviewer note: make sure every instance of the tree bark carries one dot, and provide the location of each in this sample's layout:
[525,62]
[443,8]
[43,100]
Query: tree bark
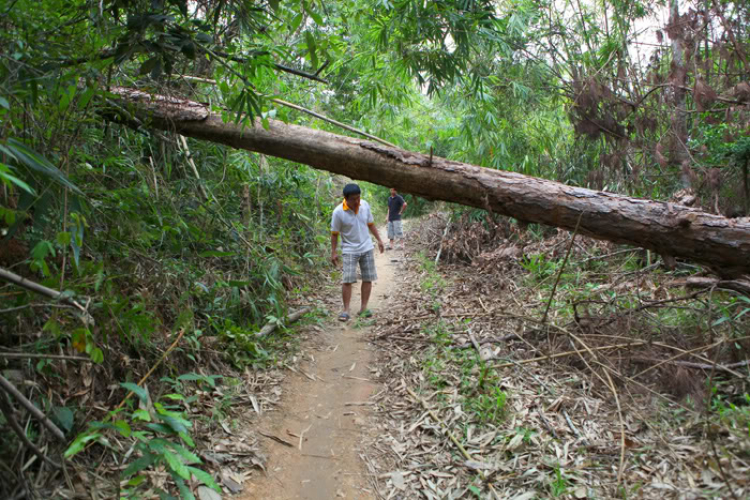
[722,244]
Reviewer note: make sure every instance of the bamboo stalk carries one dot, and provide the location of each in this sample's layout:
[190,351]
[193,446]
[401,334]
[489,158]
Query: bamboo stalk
[147,375]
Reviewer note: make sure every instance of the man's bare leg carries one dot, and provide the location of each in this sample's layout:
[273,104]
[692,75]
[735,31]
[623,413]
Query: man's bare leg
[366,290]
[346,293]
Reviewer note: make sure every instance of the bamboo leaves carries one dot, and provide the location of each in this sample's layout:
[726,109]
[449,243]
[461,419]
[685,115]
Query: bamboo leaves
[27,157]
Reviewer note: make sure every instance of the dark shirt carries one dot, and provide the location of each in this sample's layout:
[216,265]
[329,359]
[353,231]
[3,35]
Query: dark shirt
[395,203]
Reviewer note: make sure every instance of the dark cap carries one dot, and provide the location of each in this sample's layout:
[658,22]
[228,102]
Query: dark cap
[350,189]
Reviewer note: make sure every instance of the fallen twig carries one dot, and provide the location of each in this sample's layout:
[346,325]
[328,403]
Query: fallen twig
[445,233]
[7,411]
[606,256]
[739,285]
[36,412]
[652,304]
[35,287]
[573,428]
[147,375]
[442,424]
[277,439]
[302,436]
[570,353]
[546,424]
[27,306]
[26,355]
[690,364]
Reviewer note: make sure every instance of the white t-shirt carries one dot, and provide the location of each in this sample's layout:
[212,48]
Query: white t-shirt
[355,235]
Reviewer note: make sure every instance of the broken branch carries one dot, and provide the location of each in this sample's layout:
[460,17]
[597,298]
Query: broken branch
[36,412]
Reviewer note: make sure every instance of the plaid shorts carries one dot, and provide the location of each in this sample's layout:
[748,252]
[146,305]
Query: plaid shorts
[395,230]
[366,264]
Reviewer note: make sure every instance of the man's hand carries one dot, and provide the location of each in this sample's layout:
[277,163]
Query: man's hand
[335,259]
[381,247]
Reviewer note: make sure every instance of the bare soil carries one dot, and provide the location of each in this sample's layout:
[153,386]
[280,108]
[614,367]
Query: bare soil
[325,415]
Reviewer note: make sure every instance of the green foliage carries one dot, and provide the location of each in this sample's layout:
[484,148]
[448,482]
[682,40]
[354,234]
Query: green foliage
[432,281]
[539,266]
[560,485]
[243,347]
[735,414]
[159,433]
[488,407]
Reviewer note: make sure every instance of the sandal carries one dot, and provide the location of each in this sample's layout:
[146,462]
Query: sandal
[344,316]
[365,314]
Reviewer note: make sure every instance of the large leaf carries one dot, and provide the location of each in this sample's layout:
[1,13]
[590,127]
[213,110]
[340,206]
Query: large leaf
[312,48]
[7,176]
[138,465]
[176,464]
[205,478]
[187,455]
[177,424]
[37,162]
[63,417]
[80,442]
[137,390]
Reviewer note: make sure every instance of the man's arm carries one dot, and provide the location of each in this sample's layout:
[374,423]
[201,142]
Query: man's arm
[334,245]
[403,207]
[374,231]
[335,230]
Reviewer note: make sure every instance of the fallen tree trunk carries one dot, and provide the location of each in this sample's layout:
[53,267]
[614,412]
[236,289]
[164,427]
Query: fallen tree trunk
[672,230]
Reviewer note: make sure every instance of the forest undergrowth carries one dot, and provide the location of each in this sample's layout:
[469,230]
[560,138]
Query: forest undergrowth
[166,280]
[529,363]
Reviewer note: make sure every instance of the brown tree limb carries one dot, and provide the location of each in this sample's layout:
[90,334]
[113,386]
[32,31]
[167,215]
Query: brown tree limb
[698,366]
[739,285]
[35,287]
[669,229]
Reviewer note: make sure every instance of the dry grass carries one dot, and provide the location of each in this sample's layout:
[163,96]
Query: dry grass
[616,333]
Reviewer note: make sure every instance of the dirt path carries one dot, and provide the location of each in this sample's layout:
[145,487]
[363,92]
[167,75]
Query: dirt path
[327,404]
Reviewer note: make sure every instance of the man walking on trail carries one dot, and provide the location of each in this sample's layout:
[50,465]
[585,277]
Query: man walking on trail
[354,222]
[396,206]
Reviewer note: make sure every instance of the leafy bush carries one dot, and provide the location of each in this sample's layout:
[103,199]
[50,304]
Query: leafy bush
[158,433]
